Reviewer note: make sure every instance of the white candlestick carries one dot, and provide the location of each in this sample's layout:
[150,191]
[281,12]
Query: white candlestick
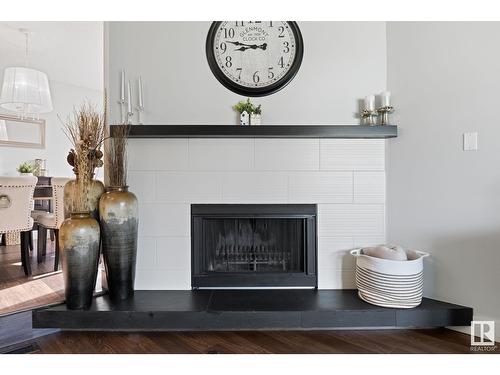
[141,100]
[122,86]
[385,98]
[370,102]
[129,98]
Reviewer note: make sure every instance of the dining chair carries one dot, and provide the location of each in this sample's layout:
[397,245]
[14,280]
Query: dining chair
[52,220]
[43,200]
[16,203]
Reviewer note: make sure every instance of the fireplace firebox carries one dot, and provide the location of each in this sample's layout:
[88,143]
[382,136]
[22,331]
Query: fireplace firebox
[253,245]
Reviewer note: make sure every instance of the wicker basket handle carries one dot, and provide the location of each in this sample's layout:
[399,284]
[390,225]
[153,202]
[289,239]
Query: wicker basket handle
[356,252]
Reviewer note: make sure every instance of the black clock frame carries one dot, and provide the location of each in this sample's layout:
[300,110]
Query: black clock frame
[254,91]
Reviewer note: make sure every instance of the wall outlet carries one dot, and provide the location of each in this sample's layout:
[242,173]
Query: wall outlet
[470,141]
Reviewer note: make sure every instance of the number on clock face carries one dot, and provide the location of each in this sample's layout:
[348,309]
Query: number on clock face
[251,57]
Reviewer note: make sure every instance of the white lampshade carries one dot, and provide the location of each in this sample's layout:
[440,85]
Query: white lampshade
[25,91]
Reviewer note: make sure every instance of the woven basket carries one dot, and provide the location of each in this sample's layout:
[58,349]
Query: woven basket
[390,283]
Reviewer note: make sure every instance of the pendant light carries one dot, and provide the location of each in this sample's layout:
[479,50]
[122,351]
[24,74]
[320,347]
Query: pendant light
[25,90]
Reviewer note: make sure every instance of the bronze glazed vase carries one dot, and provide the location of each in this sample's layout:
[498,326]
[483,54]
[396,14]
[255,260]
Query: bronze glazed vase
[79,244]
[95,192]
[119,219]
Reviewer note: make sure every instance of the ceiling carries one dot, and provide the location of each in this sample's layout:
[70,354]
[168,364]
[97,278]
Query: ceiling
[69,52]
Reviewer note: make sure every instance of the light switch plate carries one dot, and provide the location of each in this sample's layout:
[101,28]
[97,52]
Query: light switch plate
[470,141]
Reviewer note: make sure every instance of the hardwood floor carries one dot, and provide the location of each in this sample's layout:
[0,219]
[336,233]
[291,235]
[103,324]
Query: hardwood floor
[19,292]
[430,341]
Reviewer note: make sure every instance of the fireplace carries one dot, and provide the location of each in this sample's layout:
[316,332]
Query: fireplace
[253,245]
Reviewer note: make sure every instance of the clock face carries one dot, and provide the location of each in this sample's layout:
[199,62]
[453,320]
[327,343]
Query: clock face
[254,58]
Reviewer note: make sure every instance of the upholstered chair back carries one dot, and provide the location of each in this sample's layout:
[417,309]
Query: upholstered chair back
[16,203]
[58,196]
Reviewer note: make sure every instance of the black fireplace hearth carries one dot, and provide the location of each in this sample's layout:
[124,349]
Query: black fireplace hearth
[253,245]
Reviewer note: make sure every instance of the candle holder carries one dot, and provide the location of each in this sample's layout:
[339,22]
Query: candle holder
[129,117]
[369,117]
[139,109]
[384,114]
[122,110]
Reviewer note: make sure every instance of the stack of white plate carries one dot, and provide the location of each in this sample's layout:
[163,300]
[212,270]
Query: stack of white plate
[390,283]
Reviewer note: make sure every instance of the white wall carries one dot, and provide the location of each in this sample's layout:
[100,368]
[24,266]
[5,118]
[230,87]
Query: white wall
[339,67]
[446,78]
[71,53]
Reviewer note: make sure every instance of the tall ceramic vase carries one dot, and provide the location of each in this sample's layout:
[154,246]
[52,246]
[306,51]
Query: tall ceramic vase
[119,219]
[79,244]
[96,190]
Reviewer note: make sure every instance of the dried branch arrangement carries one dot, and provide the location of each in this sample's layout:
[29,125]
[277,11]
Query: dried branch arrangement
[85,130]
[116,155]
[86,126]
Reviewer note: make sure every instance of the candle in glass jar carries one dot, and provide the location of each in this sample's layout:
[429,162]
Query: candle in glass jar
[122,86]
[385,99]
[129,98]
[141,100]
[370,102]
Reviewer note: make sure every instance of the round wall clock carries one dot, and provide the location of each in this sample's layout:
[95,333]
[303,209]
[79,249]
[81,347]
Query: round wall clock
[254,58]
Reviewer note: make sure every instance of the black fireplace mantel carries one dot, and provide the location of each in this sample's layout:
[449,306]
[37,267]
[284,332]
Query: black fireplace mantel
[262,131]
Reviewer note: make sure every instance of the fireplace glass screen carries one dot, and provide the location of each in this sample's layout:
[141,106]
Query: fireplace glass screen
[254,245]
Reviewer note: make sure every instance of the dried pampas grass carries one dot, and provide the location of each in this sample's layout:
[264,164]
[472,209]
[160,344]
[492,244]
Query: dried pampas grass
[116,155]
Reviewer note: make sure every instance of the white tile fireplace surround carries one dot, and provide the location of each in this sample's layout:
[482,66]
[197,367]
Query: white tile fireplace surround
[344,177]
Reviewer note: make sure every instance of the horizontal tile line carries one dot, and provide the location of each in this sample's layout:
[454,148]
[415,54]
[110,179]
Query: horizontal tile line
[259,170]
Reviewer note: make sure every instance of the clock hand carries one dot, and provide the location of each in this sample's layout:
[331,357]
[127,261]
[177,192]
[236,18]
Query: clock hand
[253,46]
[238,43]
